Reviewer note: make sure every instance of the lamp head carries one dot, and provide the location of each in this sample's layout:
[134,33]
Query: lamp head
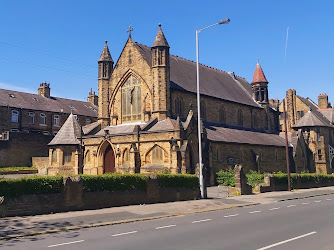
[226,20]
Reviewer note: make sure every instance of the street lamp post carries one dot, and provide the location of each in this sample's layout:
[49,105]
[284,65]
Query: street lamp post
[201,179]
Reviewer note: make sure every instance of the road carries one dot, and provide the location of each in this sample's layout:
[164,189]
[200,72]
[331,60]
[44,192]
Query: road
[294,224]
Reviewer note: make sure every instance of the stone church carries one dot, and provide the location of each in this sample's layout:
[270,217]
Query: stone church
[147,118]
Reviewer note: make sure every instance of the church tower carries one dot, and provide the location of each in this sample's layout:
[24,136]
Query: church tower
[105,70]
[260,85]
[161,76]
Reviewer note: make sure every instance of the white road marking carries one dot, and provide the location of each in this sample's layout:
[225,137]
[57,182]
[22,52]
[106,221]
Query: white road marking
[286,241]
[291,206]
[305,203]
[196,221]
[274,208]
[328,199]
[132,232]
[165,226]
[253,212]
[318,201]
[67,243]
[231,215]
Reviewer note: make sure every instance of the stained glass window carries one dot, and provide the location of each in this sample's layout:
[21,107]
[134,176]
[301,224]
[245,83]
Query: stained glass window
[131,100]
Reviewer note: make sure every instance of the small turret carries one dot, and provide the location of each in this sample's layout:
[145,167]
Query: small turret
[161,76]
[106,63]
[260,85]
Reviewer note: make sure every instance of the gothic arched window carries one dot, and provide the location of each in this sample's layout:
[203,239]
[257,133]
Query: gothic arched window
[178,104]
[126,157]
[203,110]
[131,100]
[255,121]
[240,118]
[54,156]
[157,155]
[222,116]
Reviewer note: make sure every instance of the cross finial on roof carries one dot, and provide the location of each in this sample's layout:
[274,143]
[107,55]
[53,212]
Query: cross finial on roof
[258,61]
[129,30]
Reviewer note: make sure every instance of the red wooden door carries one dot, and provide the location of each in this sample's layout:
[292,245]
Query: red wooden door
[109,160]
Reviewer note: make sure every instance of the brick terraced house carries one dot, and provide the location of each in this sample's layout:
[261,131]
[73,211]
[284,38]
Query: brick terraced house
[29,121]
[147,112]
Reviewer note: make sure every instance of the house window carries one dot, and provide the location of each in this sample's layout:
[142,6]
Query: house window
[42,119]
[203,110]
[126,157]
[88,121]
[131,100]
[157,155]
[222,116]
[15,116]
[67,157]
[31,117]
[300,114]
[319,155]
[240,118]
[56,120]
[54,156]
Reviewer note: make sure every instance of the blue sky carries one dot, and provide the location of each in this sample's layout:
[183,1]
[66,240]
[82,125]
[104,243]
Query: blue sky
[61,41]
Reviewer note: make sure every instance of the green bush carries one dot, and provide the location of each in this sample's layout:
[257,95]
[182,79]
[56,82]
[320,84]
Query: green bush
[226,177]
[114,182]
[253,178]
[178,181]
[31,185]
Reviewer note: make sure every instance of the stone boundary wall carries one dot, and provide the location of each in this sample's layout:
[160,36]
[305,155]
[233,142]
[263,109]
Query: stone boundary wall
[18,150]
[73,198]
[270,185]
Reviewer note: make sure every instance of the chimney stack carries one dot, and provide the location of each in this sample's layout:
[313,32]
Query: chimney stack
[323,101]
[92,98]
[44,89]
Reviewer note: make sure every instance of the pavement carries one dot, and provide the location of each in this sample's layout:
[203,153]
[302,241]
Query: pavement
[13,227]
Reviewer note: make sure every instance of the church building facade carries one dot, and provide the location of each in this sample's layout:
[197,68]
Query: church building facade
[147,117]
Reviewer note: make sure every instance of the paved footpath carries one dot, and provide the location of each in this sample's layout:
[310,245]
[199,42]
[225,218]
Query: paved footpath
[11,227]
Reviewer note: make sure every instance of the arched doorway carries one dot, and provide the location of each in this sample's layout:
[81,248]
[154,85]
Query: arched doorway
[190,160]
[109,160]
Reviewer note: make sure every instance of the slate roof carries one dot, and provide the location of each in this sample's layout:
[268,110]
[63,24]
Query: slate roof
[68,133]
[328,113]
[230,135]
[215,83]
[90,127]
[258,74]
[15,99]
[312,119]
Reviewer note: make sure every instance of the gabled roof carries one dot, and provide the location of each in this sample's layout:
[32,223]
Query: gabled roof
[259,75]
[68,133]
[314,108]
[160,39]
[15,99]
[105,55]
[215,83]
[312,119]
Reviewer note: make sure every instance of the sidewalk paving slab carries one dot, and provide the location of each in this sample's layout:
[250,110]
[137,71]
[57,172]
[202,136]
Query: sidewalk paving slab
[11,227]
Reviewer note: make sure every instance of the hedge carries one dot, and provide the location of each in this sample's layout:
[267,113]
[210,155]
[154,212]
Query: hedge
[114,182]
[177,181]
[31,185]
[226,177]
[254,178]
